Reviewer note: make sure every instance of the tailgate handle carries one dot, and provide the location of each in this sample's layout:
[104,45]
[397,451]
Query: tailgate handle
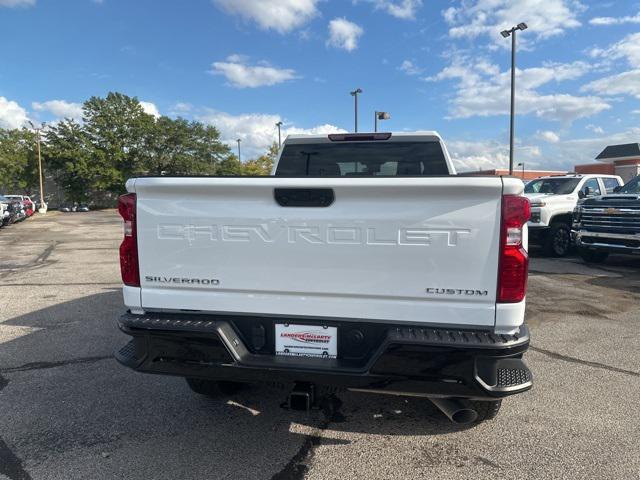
[304,197]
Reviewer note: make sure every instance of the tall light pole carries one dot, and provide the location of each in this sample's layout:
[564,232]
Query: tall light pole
[521,164]
[354,94]
[239,157]
[279,125]
[506,34]
[43,205]
[379,116]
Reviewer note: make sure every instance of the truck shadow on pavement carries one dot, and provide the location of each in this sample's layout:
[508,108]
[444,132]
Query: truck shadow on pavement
[68,406]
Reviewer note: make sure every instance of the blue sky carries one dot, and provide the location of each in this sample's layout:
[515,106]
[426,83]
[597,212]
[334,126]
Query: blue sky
[243,65]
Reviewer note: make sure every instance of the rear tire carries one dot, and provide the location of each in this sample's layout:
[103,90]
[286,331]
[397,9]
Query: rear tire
[558,241]
[213,388]
[593,256]
[487,409]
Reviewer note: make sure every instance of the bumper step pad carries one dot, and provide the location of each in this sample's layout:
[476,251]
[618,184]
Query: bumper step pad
[129,355]
[512,377]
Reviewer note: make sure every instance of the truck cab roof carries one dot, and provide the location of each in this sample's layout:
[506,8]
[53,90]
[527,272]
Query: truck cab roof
[426,135]
[364,154]
[577,175]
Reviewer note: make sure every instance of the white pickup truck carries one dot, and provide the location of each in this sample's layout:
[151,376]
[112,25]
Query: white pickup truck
[362,263]
[552,202]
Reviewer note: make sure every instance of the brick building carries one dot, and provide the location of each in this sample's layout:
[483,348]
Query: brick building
[623,160]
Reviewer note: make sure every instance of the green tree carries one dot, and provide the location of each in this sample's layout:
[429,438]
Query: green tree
[230,166]
[117,140]
[70,154]
[180,147]
[262,165]
[18,160]
[118,129]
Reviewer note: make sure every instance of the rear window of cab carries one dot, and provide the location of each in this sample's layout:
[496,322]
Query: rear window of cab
[363,159]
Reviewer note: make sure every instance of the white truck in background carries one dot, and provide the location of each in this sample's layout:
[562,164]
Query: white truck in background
[362,263]
[553,200]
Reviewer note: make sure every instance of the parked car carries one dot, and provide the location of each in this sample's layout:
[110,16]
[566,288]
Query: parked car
[21,209]
[4,211]
[608,223]
[352,279]
[553,199]
[74,207]
[27,203]
[12,210]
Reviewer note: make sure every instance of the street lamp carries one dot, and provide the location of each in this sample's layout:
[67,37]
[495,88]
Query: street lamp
[239,157]
[43,205]
[354,94]
[380,116]
[279,125]
[522,165]
[506,34]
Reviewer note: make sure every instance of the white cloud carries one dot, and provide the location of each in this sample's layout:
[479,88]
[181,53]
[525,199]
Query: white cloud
[549,136]
[256,130]
[545,18]
[615,20]
[150,108]
[483,90]
[625,83]
[584,150]
[59,108]
[344,34]
[12,115]
[628,48]
[180,109]
[561,155]
[317,130]
[595,129]
[17,3]
[279,15]
[410,68]
[471,156]
[404,9]
[242,75]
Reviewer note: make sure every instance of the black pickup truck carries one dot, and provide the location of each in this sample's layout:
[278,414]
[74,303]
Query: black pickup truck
[608,223]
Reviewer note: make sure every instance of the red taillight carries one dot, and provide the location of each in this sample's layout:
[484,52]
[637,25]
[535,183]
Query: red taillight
[514,260]
[129,246]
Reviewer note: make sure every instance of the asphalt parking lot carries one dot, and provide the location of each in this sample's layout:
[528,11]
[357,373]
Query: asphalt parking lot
[68,410]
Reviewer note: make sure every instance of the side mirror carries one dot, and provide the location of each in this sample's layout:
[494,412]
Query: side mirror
[581,194]
[617,189]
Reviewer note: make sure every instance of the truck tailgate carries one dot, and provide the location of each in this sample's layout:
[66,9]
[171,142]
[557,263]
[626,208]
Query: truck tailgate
[417,250]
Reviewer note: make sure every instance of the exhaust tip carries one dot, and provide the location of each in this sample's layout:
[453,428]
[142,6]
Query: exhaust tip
[459,411]
[464,416]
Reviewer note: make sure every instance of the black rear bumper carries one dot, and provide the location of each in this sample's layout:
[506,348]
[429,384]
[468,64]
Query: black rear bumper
[434,362]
